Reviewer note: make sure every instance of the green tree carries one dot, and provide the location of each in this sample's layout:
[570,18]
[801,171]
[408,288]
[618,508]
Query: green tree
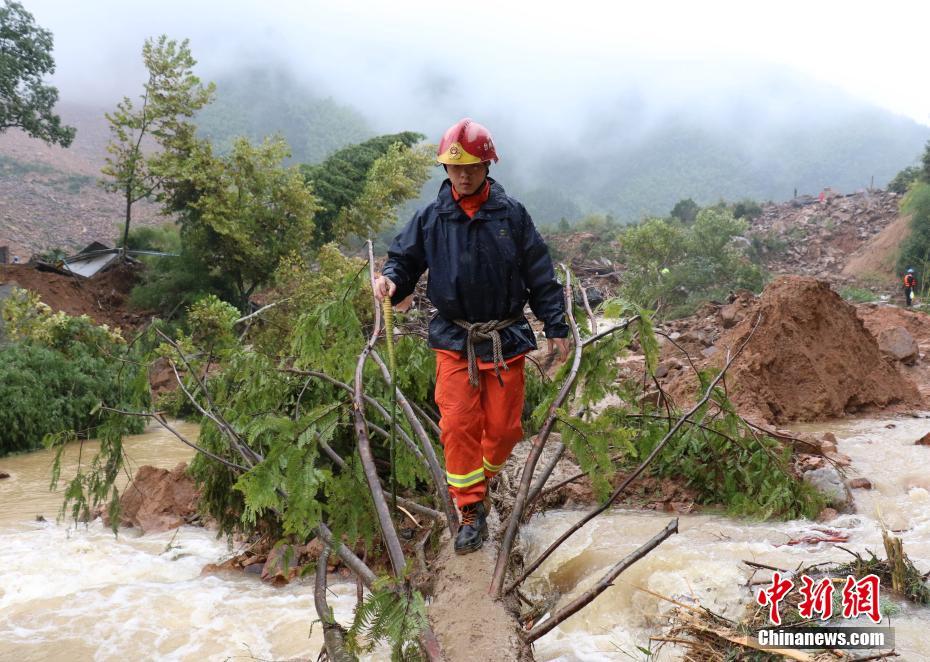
[915,249]
[675,267]
[685,210]
[25,58]
[904,179]
[393,179]
[748,209]
[925,163]
[243,211]
[343,178]
[163,119]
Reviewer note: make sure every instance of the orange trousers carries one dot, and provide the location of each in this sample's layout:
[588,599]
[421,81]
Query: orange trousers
[479,427]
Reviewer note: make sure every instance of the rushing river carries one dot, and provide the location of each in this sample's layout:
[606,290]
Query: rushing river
[79,593]
[703,563]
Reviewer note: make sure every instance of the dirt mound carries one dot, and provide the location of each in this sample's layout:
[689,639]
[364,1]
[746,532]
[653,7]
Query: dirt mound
[877,258]
[103,298]
[811,357]
[158,499]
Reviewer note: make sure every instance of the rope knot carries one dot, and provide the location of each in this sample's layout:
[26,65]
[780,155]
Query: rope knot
[479,332]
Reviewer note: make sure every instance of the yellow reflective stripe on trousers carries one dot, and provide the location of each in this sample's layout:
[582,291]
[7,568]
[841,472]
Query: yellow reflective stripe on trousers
[493,468]
[465,480]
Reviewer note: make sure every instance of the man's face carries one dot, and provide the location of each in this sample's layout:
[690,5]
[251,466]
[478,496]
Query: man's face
[467,178]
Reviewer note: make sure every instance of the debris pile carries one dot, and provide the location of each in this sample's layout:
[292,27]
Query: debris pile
[813,238]
[104,297]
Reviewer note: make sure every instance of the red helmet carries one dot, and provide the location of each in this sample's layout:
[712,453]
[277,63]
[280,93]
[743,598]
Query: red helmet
[466,142]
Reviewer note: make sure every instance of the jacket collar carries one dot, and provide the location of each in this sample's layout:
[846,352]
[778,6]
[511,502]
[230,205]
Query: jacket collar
[496,199]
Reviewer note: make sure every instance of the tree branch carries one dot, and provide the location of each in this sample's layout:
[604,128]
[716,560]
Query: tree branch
[333,633]
[439,477]
[629,479]
[513,523]
[605,582]
[161,421]
[388,532]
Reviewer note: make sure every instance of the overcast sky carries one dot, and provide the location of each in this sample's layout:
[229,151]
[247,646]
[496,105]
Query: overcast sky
[556,57]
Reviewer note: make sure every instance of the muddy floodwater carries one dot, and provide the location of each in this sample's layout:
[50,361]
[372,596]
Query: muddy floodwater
[703,563]
[79,593]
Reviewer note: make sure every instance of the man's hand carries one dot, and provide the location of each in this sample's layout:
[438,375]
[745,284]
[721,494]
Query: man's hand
[384,287]
[560,344]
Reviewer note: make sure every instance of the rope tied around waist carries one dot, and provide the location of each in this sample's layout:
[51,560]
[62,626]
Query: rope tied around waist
[479,332]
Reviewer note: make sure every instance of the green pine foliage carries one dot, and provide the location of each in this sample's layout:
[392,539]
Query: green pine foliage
[389,615]
[340,181]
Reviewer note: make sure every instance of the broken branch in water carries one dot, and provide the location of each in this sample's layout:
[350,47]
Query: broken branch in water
[605,582]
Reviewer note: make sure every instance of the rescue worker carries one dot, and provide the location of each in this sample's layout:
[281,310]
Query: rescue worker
[910,283]
[486,261]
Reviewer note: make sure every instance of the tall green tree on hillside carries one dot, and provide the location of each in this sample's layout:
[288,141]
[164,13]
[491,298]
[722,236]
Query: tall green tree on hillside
[25,58]
[242,212]
[685,210]
[136,167]
[343,179]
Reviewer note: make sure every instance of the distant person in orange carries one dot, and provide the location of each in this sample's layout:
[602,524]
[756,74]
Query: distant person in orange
[486,261]
[910,283]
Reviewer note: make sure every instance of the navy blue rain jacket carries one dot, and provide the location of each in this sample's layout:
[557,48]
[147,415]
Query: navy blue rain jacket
[480,269]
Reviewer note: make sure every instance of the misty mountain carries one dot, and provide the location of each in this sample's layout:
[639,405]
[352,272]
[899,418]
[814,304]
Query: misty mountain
[635,159]
[260,101]
[633,150]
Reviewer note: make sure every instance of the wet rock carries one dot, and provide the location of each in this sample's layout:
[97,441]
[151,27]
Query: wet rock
[227,566]
[898,344]
[667,366]
[841,459]
[710,352]
[924,440]
[860,484]
[158,499]
[827,514]
[254,569]
[3,475]
[732,314]
[828,482]
[829,436]
[282,565]
[826,445]
[810,462]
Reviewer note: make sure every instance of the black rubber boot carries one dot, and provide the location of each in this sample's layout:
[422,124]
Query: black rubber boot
[473,530]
